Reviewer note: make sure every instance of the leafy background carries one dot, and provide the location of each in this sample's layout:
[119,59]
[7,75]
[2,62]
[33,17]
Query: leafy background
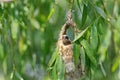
[29,31]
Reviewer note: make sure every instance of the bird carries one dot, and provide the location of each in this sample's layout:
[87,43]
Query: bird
[66,40]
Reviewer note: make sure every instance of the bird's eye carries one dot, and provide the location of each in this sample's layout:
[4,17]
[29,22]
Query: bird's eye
[66,37]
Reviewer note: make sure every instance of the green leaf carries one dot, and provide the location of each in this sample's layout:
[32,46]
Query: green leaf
[104,45]
[1,51]
[101,12]
[18,76]
[102,68]
[78,3]
[53,58]
[82,52]
[51,13]
[84,14]
[14,28]
[60,68]
[22,46]
[12,75]
[116,9]
[76,53]
[54,73]
[94,37]
[5,66]
[88,51]
[117,24]
[116,64]
[35,23]
[80,35]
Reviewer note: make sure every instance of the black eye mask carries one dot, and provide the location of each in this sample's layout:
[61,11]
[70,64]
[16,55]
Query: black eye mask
[66,37]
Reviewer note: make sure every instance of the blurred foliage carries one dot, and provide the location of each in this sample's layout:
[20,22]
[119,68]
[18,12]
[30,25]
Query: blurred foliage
[29,30]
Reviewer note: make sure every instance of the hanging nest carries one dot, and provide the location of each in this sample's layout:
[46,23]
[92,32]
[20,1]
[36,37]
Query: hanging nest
[65,47]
